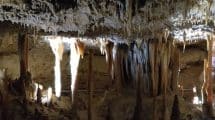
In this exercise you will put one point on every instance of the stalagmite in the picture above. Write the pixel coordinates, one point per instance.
(175, 109)
(76, 50)
(58, 49)
(109, 57)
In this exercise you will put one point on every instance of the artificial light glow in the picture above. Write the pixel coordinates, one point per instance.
(196, 100)
(57, 48)
(36, 86)
(47, 98)
(194, 89)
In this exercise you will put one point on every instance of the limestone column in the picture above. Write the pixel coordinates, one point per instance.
(208, 80)
(23, 58)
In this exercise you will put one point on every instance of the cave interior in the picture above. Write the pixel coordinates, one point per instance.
(107, 59)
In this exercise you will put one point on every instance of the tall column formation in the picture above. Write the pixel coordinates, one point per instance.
(23, 54)
(207, 88)
(210, 81)
(23, 58)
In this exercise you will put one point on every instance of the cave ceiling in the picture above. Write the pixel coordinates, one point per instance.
(106, 17)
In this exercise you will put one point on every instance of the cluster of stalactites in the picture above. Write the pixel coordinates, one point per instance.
(58, 49)
(151, 56)
(76, 51)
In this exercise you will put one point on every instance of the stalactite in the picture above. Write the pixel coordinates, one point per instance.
(109, 57)
(155, 59)
(166, 34)
(152, 55)
(102, 43)
(129, 80)
(76, 50)
(135, 60)
(116, 67)
(106, 47)
(164, 78)
(175, 69)
(57, 48)
(157, 65)
(80, 48)
(119, 56)
(144, 48)
(123, 65)
(184, 38)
